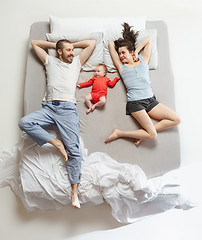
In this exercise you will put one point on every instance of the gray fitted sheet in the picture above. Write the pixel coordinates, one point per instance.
(154, 157)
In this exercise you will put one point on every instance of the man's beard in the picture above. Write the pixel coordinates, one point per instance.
(66, 58)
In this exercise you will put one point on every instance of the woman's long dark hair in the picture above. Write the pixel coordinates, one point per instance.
(128, 40)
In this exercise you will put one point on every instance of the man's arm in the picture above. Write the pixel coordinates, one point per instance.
(39, 45)
(88, 47)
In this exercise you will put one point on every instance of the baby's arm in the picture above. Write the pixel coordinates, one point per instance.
(86, 84)
(113, 83)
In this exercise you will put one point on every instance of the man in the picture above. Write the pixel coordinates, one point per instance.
(62, 76)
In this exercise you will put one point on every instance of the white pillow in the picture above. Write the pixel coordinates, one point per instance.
(95, 58)
(94, 24)
(75, 25)
(153, 63)
(110, 26)
(152, 33)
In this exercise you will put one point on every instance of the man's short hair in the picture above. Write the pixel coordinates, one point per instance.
(60, 44)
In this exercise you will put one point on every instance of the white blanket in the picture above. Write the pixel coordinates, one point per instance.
(39, 177)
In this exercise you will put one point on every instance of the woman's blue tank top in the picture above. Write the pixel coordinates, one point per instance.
(137, 81)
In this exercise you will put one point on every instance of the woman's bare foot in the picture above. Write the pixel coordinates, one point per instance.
(113, 136)
(138, 141)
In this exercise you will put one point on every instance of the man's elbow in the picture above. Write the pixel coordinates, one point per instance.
(93, 43)
(148, 39)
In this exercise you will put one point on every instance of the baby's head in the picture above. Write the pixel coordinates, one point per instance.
(100, 70)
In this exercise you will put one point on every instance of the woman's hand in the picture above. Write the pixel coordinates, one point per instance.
(135, 56)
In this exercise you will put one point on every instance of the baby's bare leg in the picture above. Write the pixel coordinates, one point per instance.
(101, 103)
(88, 102)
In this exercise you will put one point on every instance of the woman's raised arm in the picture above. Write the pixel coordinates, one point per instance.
(146, 46)
(115, 57)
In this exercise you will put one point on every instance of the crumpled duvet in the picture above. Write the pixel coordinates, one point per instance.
(39, 177)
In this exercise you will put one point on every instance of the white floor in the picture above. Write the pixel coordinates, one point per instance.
(175, 224)
(171, 225)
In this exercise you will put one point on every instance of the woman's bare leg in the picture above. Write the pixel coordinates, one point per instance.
(148, 130)
(168, 118)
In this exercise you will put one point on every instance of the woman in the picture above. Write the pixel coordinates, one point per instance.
(142, 104)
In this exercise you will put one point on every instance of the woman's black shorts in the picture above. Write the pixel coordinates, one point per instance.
(138, 105)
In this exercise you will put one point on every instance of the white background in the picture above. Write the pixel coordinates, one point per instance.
(184, 21)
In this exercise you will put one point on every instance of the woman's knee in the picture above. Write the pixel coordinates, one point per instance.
(177, 120)
(153, 135)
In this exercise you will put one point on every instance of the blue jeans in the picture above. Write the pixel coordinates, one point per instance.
(65, 116)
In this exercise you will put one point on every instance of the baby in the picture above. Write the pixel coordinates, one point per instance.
(98, 95)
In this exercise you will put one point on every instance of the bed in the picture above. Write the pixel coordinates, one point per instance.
(154, 157)
(118, 172)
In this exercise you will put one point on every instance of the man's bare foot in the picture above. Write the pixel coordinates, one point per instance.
(75, 201)
(60, 146)
(138, 141)
(62, 150)
(113, 136)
